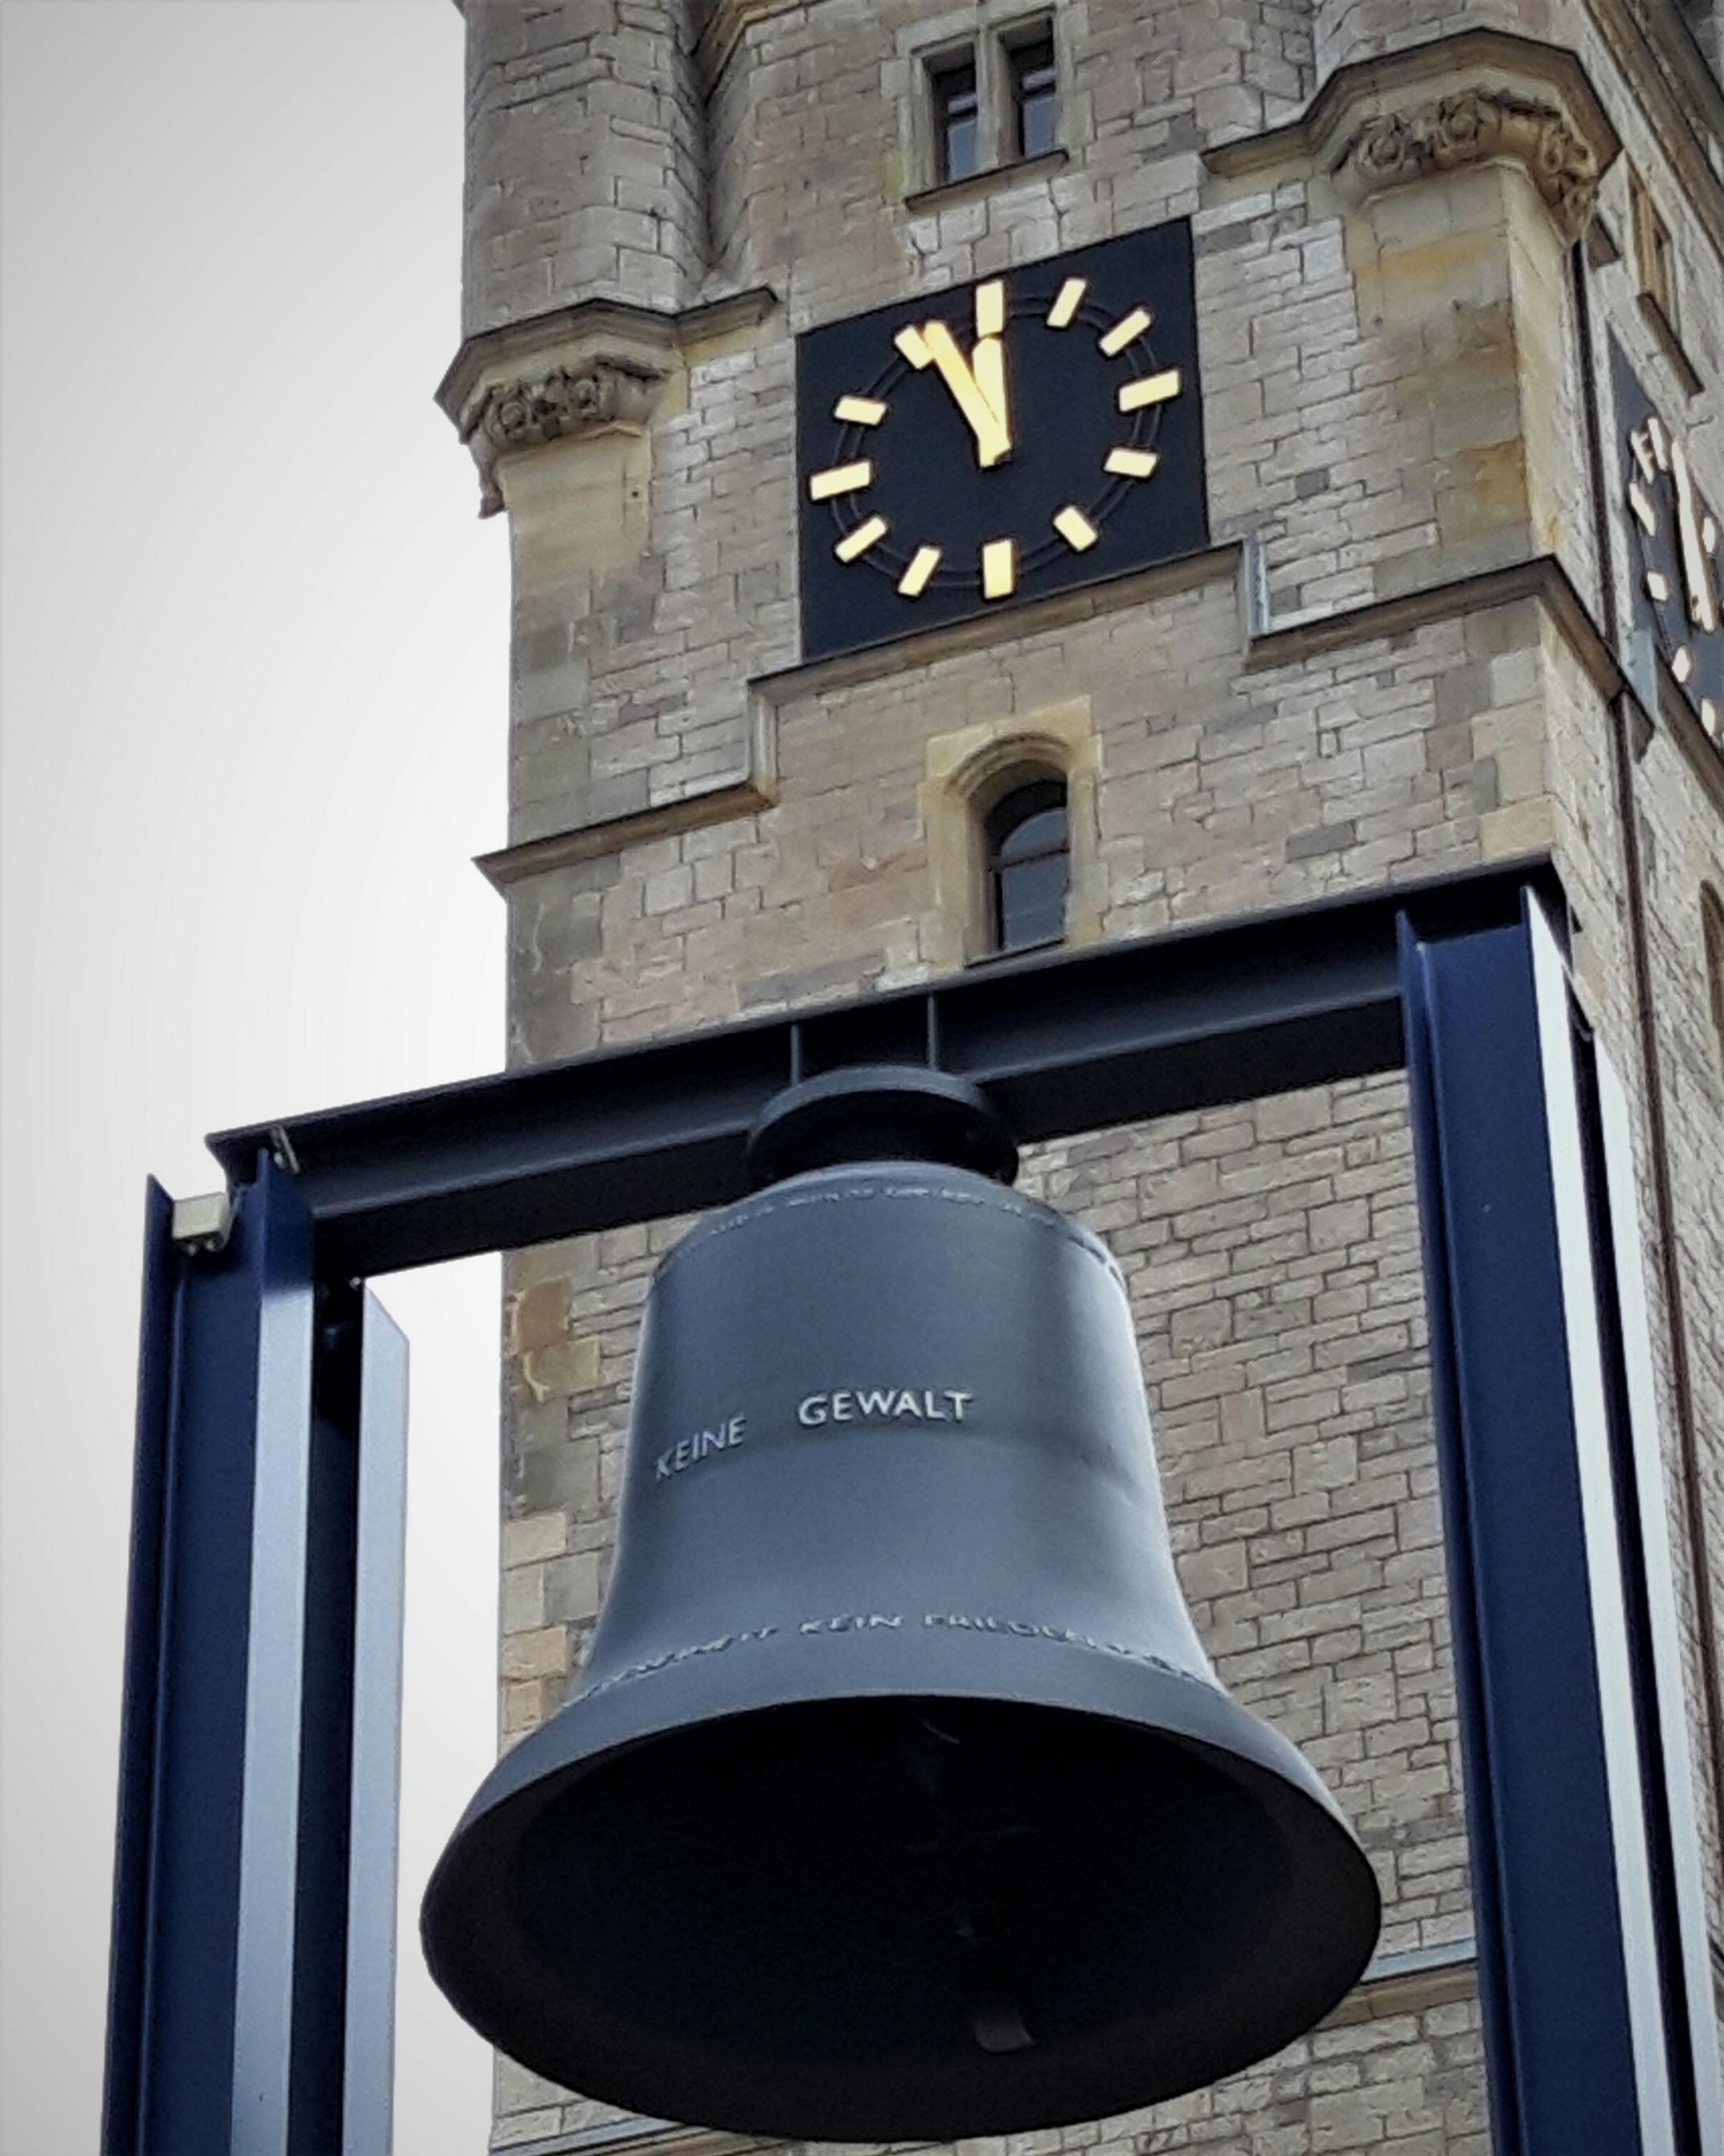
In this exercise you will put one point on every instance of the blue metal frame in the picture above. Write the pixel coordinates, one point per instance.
(1592, 2046)
(253, 1912)
(235, 1835)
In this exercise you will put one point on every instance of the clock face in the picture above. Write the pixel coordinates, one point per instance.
(1675, 554)
(997, 441)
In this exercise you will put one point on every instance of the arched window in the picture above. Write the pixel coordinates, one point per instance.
(1028, 865)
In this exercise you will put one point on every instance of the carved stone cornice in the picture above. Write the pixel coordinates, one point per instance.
(593, 368)
(1445, 102)
(565, 402)
(1474, 126)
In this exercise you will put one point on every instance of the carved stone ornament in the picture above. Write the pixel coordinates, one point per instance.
(564, 403)
(1468, 128)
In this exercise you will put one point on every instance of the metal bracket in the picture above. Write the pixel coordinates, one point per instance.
(201, 1226)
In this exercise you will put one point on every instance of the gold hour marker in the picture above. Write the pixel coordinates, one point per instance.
(859, 541)
(859, 411)
(990, 308)
(1658, 585)
(1132, 464)
(1709, 534)
(1682, 665)
(1697, 575)
(839, 479)
(1128, 326)
(914, 580)
(913, 346)
(999, 569)
(1075, 528)
(1642, 448)
(1149, 389)
(1065, 306)
(1709, 717)
(1660, 442)
(1644, 515)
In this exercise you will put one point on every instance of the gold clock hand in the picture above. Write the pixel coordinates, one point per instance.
(987, 364)
(993, 438)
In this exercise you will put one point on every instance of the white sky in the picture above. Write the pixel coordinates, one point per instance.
(254, 698)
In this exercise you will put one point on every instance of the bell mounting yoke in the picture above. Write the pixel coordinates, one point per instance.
(880, 1111)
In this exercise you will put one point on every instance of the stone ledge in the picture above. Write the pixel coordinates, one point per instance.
(1531, 103)
(1028, 617)
(582, 841)
(976, 187)
(742, 793)
(593, 368)
(1265, 645)
(1540, 576)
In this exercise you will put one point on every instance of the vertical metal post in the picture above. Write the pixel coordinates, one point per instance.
(1583, 2052)
(135, 1846)
(253, 1876)
(368, 2092)
(1679, 1875)
(344, 1939)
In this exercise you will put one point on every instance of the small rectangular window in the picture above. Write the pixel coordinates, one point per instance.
(1035, 101)
(1654, 256)
(957, 128)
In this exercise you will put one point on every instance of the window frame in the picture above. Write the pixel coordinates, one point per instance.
(989, 51)
(941, 67)
(1025, 37)
(1655, 265)
(988, 809)
(1657, 270)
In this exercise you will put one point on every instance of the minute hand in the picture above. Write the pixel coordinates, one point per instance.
(993, 436)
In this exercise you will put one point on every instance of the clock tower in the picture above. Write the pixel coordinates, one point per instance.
(984, 478)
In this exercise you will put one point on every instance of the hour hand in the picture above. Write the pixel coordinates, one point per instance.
(988, 422)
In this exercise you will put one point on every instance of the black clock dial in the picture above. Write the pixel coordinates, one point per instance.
(1675, 554)
(999, 440)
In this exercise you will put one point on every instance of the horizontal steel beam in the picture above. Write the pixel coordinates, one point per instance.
(1075, 1040)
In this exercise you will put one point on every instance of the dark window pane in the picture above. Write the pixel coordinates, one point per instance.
(1015, 808)
(956, 134)
(1035, 105)
(1032, 902)
(1036, 835)
(1028, 865)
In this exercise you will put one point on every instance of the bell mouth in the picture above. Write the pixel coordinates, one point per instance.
(914, 1916)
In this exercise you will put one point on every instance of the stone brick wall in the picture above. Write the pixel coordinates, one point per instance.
(1396, 660)
(584, 149)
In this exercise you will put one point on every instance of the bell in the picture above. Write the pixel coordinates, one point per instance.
(897, 1800)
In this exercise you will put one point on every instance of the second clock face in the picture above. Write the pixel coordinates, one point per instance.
(1676, 564)
(999, 440)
